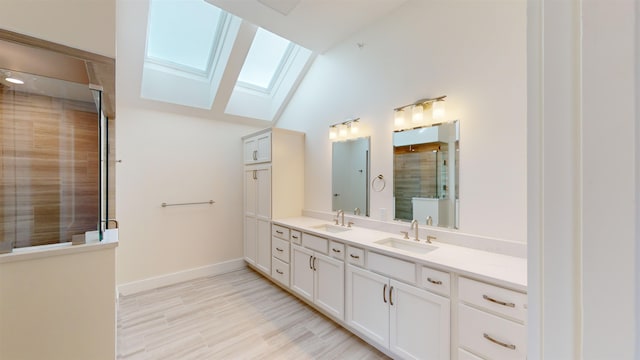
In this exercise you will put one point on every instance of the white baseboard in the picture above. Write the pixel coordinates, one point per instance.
(181, 276)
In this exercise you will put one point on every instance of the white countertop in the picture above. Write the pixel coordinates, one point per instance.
(504, 270)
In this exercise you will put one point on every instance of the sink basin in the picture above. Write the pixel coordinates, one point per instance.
(406, 245)
(331, 228)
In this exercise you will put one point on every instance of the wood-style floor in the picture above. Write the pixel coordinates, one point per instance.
(239, 315)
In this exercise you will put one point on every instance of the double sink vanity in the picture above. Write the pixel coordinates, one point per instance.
(408, 298)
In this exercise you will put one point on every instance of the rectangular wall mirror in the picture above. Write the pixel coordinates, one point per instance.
(425, 174)
(350, 176)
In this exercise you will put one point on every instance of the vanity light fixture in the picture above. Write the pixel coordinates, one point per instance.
(333, 132)
(398, 119)
(418, 108)
(344, 129)
(438, 110)
(417, 114)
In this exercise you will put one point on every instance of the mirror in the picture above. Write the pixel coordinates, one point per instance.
(350, 176)
(425, 174)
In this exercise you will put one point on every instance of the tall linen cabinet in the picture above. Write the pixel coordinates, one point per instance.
(273, 188)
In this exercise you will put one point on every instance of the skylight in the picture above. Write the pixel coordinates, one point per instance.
(183, 33)
(265, 60)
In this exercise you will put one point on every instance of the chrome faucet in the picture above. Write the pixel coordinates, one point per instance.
(414, 224)
(430, 237)
(356, 211)
(429, 220)
(340, 213)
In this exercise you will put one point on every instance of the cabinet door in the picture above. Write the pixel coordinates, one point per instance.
(263, 258)
(263, 196)
(250, 150)
(302, 271)
(250, 236)
(250, 221)
(329, 285)
(263, 147)
(418, 322)
(368, 304)
(250, 191)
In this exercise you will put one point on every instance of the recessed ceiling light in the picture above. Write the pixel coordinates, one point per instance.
(14, 81)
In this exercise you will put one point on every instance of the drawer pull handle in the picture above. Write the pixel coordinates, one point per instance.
(354, 256)
(310, 266)
(498, 301)
(279, 249)
(279, 232)
(294, 236)
(391, 295)
(508, 346)
(436, 282)
(314, 263)
(335, 250)
(384, 293)
(279, 272)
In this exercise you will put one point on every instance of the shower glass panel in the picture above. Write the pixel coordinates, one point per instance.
(51, 177)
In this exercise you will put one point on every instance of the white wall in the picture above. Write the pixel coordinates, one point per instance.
(175, 159)
(472, 51)
(89, 25)
(59, 307)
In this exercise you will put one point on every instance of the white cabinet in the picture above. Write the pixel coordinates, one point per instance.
(257, 148)
(257, 216)
(411, 322)
(319, 279)
(273, 188)
(280, 250)
(491, 320)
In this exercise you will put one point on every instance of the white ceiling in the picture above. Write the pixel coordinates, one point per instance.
(315, 24)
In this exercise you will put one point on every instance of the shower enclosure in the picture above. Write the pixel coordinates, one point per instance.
(53, 160)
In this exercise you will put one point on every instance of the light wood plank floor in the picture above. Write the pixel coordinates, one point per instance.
(239, 315)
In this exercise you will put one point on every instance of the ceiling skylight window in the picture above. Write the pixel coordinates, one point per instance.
(183, 33)
(265, 61)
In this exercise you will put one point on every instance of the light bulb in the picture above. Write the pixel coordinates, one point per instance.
(354, 127)
(438, 110)
(333, 133)
(14, 81)
(342, 130)
(398, 119)
(417, 114)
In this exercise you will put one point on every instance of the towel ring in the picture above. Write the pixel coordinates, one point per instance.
(378, 183)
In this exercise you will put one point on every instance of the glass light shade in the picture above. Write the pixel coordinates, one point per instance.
(354, 127)
(342, 131)
(398, 118)
(417, 114)
(333, 133)
(438, 110)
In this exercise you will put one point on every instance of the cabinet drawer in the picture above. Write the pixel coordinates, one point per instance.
(491, 336)
(500, 300)
(436, 281)
(392, 267)
(280, 249)
(315, 243)
(296, 237)
(465, 355)
(355, 256)
(336, 250)
(280, 232)
(280, 271)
